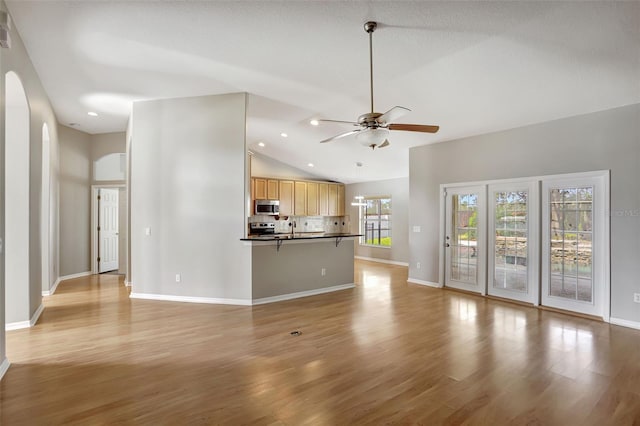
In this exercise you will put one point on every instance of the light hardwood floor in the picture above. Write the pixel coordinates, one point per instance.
(384, 352)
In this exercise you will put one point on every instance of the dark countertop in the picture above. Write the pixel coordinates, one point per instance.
(297, 236)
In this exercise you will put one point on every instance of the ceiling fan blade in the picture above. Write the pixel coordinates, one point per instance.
(337, 121)
(383, 144)
(342, 135)
(413, 127)
(393, 114)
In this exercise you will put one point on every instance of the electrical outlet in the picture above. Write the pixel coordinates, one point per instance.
(147, 231)
(323, 271)
(636, 297)
(416, 228)
(418, 265)
(178, 278)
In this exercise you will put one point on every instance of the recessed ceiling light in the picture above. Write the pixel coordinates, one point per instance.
(261, 144)
(310, 164)
(93, 114)
(314, 122)
(284, 135)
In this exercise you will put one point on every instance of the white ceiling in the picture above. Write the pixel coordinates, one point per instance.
(470, 67)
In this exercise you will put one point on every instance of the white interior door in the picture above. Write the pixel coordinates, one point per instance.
(465, 238)
(107, 229)
(513, 241)
(575, 244)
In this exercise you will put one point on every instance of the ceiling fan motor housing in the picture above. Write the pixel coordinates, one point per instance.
(369, 120)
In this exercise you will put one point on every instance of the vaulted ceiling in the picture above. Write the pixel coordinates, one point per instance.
(470, 67)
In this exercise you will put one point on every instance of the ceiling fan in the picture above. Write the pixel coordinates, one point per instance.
(373, 126)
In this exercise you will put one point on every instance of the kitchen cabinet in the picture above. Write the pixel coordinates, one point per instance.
(312, 199)
(323, 199)
(340, 200)
(253, 195)
(286, 197)
(260, 189)
(272, 189)
(300, 198)
(333, 199)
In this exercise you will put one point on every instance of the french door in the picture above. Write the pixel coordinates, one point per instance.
(513, 241)
(541, 240)
(465, 257)
(575, 245)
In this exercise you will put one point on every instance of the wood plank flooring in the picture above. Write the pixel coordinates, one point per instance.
(386, 352)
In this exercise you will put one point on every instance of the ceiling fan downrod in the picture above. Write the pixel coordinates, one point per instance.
(370, 27)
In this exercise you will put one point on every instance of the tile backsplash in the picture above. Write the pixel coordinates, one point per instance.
(328, 224)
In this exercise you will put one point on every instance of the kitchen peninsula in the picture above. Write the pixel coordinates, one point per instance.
(288, 266)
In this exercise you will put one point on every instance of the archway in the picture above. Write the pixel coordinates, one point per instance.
(16, 279)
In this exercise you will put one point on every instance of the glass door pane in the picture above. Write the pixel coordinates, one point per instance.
(464, 257)
(575, 244)
(571, 263)
(513, 263)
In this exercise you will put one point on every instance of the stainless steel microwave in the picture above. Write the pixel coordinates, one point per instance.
(269, 207)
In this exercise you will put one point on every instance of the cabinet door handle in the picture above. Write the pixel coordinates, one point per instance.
(446, 245)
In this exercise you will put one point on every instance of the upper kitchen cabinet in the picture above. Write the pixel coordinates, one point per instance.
(286, 197)
(272, 189)
(340, 200)
(260, 188)
(333, 199)
(265, 189)
(312, 199)
(323, 199)
(300, 198)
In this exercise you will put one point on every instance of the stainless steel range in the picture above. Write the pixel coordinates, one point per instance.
(260, 228)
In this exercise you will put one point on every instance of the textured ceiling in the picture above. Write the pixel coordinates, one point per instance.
(470, 67)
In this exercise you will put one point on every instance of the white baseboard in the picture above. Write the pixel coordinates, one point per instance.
(4, 366)
(25, 324)
(241, 302)
(299, 294)
(375, 259)
(190, 299)
(52, 289)
(78, 275)
(422, 282)
(624, 323)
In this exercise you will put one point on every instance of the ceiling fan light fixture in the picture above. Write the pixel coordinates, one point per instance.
(373, 136)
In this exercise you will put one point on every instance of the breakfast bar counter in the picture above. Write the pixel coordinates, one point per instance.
(287, 266)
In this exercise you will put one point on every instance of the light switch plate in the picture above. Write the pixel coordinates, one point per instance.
(416, 228)
(147, 231)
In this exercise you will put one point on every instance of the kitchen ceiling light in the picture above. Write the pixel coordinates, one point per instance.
(93, 114)
(284, 135)
(314, 122)
(310, 164)
(261, 144)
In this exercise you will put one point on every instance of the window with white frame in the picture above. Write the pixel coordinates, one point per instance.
(375, 221)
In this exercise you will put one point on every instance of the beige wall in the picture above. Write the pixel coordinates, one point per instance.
(17, 60)
(75, 201)
(607, 140)
(263, 166)
(188, 187)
